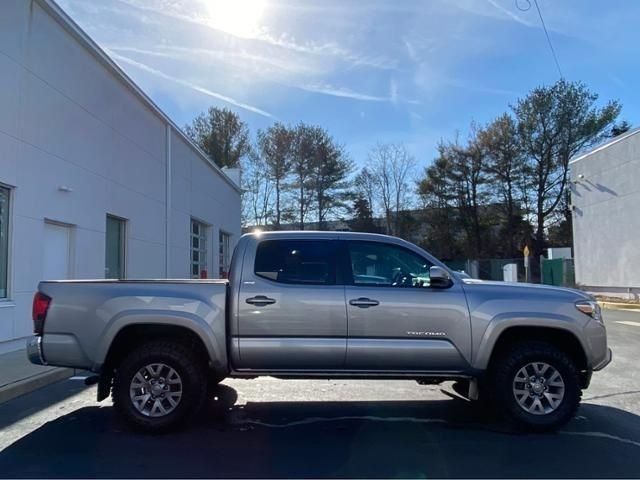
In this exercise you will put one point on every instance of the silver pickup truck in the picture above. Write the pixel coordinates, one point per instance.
(323, 305)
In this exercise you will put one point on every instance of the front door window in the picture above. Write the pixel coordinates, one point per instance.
(386, 265)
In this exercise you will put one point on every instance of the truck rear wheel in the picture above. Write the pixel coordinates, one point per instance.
(536, 385)
(159, 386)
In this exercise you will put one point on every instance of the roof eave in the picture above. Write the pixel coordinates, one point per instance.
(605, 145)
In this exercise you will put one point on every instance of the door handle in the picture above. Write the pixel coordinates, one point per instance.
(260, 301)
(363, 302)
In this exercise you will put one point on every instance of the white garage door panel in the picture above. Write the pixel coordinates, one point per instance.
(56, 252)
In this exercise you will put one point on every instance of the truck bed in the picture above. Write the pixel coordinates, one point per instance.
(85, 316)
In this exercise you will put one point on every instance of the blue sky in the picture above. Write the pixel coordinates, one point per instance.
(367, 71)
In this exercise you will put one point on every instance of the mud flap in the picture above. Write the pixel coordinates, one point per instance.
(104, 386)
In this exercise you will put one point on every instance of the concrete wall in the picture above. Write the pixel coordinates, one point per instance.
(69, 118)
(606, 224)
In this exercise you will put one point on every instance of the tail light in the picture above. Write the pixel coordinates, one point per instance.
(40, 306)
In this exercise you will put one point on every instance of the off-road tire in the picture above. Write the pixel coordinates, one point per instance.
(194, 385)
(504, 370)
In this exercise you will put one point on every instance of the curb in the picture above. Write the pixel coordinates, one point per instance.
(629, 307)
(29, 384)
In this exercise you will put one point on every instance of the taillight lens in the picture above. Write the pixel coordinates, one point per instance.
(40, 306)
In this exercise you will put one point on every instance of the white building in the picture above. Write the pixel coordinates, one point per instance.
(95, 180)
(605, 195)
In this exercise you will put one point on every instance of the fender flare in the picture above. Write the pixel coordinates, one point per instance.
(504, 321)
(216, 347)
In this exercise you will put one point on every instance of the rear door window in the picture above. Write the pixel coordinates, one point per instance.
(305, 262)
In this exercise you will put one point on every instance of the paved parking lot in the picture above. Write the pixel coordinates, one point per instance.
(298, 428)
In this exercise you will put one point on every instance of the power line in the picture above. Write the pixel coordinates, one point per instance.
(544, 27)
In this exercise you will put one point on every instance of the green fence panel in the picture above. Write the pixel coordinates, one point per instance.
(553, 272)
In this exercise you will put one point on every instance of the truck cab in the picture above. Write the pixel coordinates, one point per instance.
(369, 306)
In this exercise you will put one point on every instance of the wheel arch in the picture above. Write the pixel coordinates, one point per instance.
(133, 335)
(560, 338)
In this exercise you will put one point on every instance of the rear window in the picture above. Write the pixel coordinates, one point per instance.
(306, 262)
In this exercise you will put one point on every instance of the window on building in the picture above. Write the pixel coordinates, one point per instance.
(4, 241)
(198, 249)
(225, 254)
(115, 247)
(308, 262)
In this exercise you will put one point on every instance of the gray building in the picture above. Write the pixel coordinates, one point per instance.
(605, 194)
(95, 180)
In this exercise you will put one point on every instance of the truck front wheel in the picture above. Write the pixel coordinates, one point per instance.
(536, 385)
(159, 386)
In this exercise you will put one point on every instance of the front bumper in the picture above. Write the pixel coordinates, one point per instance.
(34, 350)
(605, 362)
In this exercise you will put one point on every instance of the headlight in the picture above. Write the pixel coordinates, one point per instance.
(591, 308)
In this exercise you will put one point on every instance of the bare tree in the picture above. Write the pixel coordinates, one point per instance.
(366, 187)
(257, 192)
(392, 167)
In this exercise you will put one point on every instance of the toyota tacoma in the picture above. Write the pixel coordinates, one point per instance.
(323, 305)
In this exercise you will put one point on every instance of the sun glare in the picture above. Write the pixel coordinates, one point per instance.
(237, 17)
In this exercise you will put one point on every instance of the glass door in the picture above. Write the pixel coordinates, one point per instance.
(115, 243)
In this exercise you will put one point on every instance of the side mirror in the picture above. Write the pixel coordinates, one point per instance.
(439, 278)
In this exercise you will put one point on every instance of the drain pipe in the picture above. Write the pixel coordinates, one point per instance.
(167, 215)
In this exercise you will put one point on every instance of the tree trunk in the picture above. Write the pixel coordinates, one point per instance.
(278, 204)
(510, 219)
(301, 205)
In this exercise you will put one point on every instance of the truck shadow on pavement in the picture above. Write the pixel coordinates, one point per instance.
(439, 438)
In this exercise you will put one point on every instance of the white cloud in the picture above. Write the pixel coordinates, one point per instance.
(173, 10)
(325, 89)
(190, 85)
(331, 90)
(475, 87)
(393, 91)
(181, 53)
(328, 49)
(261, 64)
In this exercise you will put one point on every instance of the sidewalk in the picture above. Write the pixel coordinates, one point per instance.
(19, 376)
(630, 307)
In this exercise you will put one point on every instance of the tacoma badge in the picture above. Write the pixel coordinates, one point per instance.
(428, 334)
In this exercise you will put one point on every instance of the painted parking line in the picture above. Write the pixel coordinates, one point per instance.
(627, 322)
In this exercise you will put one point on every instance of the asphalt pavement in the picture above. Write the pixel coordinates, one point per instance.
(299, 428)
